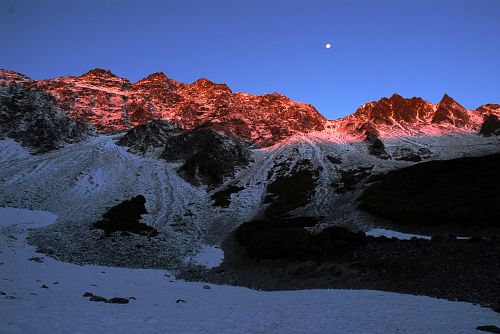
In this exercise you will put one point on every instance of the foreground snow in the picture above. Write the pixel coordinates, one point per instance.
(60, 308)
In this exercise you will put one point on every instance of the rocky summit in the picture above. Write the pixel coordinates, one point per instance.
(398, 116)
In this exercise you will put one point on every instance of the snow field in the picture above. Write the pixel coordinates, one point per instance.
(60, 308)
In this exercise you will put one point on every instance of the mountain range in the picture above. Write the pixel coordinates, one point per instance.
(112, 104)
(206, 159)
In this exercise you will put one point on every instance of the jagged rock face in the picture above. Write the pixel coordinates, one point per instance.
(114, 104)
(264, 119)
(98, 97)
(209, 156)
(152, 98)
(395, 109)
(267, 119)
(411, 116)
(145, 138)
(491, 119)
(449, 111)
(33, 117)
(10, 78)
(386, 112)
(487, 109)
(375, 146)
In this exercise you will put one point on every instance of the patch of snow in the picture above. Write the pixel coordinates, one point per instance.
(209, 256)
(10, 150)
(380, 232)
(26, 218)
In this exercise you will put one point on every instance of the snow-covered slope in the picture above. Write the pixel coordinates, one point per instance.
(27, 307)
(81, 181)
(321, 148)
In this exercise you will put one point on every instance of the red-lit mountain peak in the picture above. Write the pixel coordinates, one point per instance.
(398, 109)
(8, 78)
(98, 72)
(158, 80)
(205, 84)
(450, 111)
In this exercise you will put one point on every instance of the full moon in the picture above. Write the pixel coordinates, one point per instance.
(328, 45)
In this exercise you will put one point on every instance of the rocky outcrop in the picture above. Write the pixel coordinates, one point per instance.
(409, 154)
(125, 217)
(488, 328)
(208, 156)
(375, 146)
(490, 126)
(350, 179)
(292, 187)
(33, 118)
(147, 137)
(278, 237)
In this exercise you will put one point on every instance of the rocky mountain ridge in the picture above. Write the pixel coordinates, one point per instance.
(114, 104)
(398, 117)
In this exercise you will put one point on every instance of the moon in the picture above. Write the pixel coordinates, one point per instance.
(328, 45)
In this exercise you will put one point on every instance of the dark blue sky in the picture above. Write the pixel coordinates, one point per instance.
(414, 48)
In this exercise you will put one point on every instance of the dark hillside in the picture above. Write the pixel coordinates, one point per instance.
(464, 191)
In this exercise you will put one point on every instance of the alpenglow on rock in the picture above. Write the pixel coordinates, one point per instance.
(114, 104)
(398, 116)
